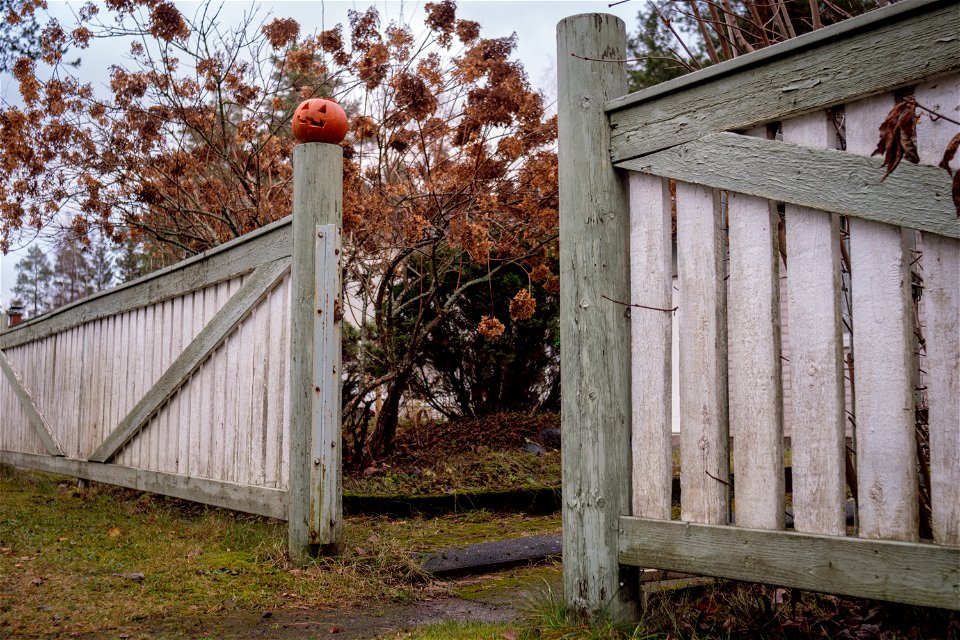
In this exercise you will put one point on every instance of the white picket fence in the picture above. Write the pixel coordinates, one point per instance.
(713, 134)
(199, 381)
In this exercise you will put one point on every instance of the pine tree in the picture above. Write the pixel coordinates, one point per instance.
(71, 280)
(101, 267)
(132, 261)
(34, 282)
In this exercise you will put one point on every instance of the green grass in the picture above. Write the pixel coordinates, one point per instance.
(481, 469)
(64, 553)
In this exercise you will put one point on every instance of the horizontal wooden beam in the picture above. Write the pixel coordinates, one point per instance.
(920, 574)
(229, 260)
(30, 407)
(915, 196)
(263, 501)
(238, 307)
(897, 46)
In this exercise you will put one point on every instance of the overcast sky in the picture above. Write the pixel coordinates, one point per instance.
(534, 22)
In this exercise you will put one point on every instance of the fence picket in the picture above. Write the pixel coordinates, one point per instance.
(883, 342)
(704, 433)
(651, 285)
(756, 398)
(816, 349)
(181, 429)
(941, 301)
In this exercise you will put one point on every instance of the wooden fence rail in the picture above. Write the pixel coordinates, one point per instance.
(807, 207)
(191, 381)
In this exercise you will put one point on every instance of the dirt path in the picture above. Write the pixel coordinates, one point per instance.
(376, 621)
(352, 624)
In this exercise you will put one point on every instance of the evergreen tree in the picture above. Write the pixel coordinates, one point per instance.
(101, 272)
(19, 37)
(132, 261)
(71, 280)
(34, 282)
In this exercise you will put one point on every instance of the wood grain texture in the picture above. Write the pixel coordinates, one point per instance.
(941, 261)
(883, 324)
(29, 407)
(756, 397)
(594, 332)
(941, 301)
(249, 499)
(317, 200)
(920, 574)
(912, 196)
(211, 337)
(326, 501)
(277, 392)
(704, 428)
(221, 263)
(816, 346)
(651, 285)
(826, 67)
(16, 432)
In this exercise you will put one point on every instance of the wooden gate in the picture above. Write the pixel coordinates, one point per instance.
(215, 380)
(777, 137)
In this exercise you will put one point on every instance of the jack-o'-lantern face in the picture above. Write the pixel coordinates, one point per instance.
(319, 120)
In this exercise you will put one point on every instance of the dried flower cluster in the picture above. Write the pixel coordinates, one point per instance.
(523, 305)
(490, 328)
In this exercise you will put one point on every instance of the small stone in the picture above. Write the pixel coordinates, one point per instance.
(136, 577)
(266, 614)
(37, 582)
(535, 449)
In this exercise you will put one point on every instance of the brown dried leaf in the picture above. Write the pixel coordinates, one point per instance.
(898, 135)
(907, 129)
(949, 154)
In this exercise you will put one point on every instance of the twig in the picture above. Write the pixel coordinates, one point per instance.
(639, 306)
(718, 479)
(707, 40)
(936, 114)
(838, 10)
(724, 43)
(643, 59)
(815, 14)
(666, 22)
(613, 4)
(786, 18)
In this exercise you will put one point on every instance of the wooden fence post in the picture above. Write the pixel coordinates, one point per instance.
(594, 330)
(314, 495)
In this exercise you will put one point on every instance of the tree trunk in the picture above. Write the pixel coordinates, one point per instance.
(385, 430)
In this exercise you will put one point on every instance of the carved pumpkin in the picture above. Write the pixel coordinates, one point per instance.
(319, 120)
